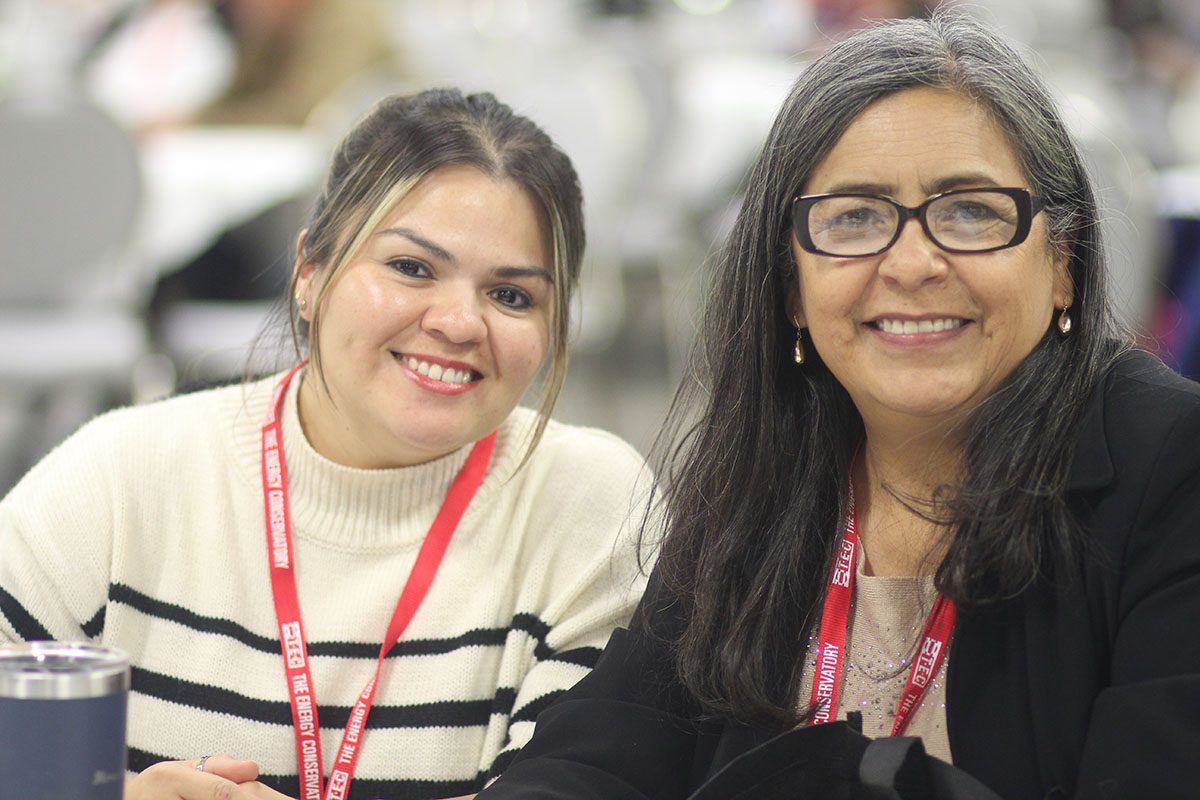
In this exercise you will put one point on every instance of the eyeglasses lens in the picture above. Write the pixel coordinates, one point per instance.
(973, 220)
(852, 225)
(849, 226)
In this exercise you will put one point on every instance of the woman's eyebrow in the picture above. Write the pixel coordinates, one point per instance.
(966, 180)
(858, 187)
(437, 250)
(943, 184)
(524, 272)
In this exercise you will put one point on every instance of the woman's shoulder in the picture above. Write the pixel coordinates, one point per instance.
(1139, 370)
(581, 450)
(124, 455)
(1142, 396)
(151, 433)
(576, 470)
(1139, 435)
(169, 418)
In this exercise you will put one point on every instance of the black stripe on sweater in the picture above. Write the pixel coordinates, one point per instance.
(360, 788)
(24, 623)
(501, 763)
(437, 714)
(580, 657)
(529, 712)
(480, 637)
(95, 626)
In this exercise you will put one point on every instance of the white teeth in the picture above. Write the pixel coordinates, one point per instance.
(908, 326)
(437, 372)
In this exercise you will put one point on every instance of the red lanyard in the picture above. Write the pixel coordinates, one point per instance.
(287, 603)
(831, 640)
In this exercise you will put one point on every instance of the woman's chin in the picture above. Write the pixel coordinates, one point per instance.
(427, 448)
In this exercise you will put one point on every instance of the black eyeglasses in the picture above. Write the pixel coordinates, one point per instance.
(959, 221)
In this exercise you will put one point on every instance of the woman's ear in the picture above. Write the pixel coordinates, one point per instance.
(1064, 285)
(303, 271)
(795, 308)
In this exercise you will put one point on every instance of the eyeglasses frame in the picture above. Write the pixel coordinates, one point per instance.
(1028, 207)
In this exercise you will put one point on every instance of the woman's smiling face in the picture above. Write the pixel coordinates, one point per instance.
(917, 334)
(432, 333)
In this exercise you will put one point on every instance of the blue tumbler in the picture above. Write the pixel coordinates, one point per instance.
(62, 721)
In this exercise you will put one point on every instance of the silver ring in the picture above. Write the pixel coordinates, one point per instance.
(200, 763)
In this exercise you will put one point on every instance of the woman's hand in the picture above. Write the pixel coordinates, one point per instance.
(223, 778)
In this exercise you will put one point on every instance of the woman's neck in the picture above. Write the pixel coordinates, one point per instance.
(896, 480)
(329, 432)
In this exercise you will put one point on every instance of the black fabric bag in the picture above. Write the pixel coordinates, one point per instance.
(835, 762)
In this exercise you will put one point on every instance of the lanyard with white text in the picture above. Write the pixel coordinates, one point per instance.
(287, 604)
(831, 640)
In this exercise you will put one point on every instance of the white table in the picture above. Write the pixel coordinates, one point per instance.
(202, 181)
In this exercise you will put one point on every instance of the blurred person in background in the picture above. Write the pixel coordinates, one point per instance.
(294, 54)
(183, 64)
(1163, 94)
(246, 545)
(1164, 36)
(920, 483)
(159, 62)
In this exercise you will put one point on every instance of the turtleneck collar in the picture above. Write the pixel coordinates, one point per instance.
(361, 509)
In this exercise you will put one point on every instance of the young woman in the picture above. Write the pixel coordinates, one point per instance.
(932, 481)
(374, 570)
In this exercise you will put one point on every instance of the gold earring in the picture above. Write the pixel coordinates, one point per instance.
(798, 350)
(1064, 321)
(301, 303)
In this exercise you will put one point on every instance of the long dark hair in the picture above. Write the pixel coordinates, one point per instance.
(757, 481)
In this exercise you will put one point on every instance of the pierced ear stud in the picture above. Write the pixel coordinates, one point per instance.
(301, 303)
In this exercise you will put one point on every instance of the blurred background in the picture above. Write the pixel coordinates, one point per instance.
(158, 157)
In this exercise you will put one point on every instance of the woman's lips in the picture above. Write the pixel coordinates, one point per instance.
(909, 331)
(439, 375)
(911, 326)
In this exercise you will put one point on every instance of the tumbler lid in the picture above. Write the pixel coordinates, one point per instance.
(61, 670)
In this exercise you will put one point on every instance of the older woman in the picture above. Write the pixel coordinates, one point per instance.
(931, 481)
(369, 573)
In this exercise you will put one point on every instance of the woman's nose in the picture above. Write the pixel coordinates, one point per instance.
(914, 259)
(456, 315)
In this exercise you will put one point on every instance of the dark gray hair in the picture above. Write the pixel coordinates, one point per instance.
(756, 489)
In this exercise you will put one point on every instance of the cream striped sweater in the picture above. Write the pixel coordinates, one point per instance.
(145, 531)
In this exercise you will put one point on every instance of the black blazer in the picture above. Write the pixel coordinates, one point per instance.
(1090, 688)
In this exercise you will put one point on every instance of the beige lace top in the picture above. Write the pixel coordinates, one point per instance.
(887, 615)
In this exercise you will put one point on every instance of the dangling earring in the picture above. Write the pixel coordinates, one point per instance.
(798, 350)
(1064, 321)
(301, 303)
